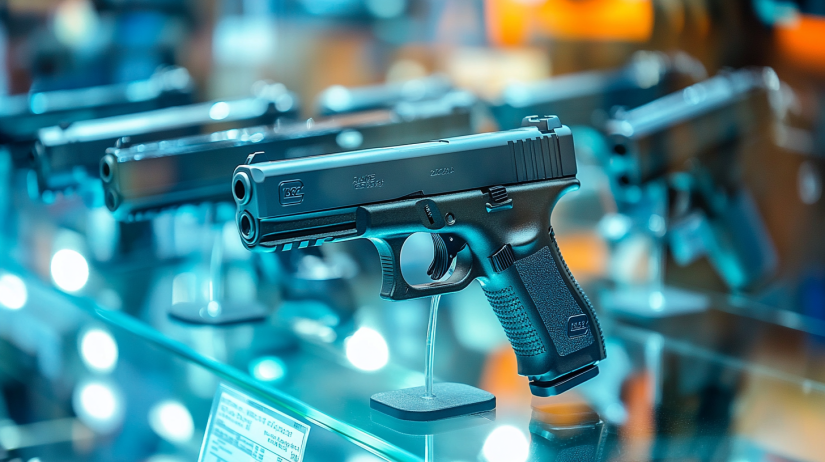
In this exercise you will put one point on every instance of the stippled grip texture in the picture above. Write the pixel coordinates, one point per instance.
(513, 318)
(553, 300)
(545, 314)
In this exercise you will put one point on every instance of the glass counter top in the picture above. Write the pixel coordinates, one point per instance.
(723, 382)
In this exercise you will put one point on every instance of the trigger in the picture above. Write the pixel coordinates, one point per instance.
(445, 248)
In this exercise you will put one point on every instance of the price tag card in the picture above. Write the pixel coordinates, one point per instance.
(241, 429)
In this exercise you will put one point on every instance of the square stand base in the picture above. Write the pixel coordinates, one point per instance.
(225, 313)
(450, 400)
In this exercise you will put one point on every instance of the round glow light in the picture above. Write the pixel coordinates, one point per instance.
(219, 111)
(268, 369)
(367, 350)
(337, 98)
(505, 444)
(69, 270)
(98, 350)
(657, 301)
(172, 421)
(99, 401)
(13, 294)
(99, 406)
(76, 23)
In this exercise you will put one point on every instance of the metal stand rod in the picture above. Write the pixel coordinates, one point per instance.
(429, 444)
(213, 306)
(430, 359)
(216, 266)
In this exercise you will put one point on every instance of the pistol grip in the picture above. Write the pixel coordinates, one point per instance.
(547, 318)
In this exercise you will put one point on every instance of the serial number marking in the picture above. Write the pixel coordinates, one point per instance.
(367, 182)
(442, 171)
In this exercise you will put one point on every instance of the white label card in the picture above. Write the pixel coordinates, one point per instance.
(241, 428)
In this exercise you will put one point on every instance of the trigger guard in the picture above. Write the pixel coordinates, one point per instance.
(395, 287)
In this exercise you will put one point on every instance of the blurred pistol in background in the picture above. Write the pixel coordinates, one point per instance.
(65, 156)
(689, 143)
(22, 116)
(142, 179)
(485, 199)
(338, 99)
(586, 98)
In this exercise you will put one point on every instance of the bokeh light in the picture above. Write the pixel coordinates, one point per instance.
(505, 444)
(69, 269)
(13, 293)
(99, 406)
(172, 421)
(268, 369)
(219, 111)
(367, 350)
(98, 350)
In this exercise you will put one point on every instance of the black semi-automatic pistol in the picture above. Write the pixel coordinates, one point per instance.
(64, 156)
(692, 140)
(22, 116)
(143, 179)
(485, 199)
(586, 98)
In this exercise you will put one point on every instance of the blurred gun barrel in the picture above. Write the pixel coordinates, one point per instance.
(151, 177)
(585, 98)
(65, 155)
(663, 134)
(22, 116)
(339, 100)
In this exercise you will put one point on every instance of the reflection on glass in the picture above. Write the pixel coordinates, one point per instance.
(657, 301)
(69, 270)
(367, 350)
(268, 369)
(363, 458)
(172, 421)
(98, 350)
(505, 444)
(219, 111)
(13, 294)
(311, 328)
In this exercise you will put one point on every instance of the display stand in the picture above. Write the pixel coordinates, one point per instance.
(217, 310)
(433, 401)
(650, 298)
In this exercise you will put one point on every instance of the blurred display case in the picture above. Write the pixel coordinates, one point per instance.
(95, 368)
(702, 364)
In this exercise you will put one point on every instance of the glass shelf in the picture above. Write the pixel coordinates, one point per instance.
(706, 385)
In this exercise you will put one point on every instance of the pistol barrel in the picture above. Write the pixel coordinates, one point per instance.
(340, 100)
(62, 152)
(282, 189)
(21, 116)
(585, 98)
(145, 178)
